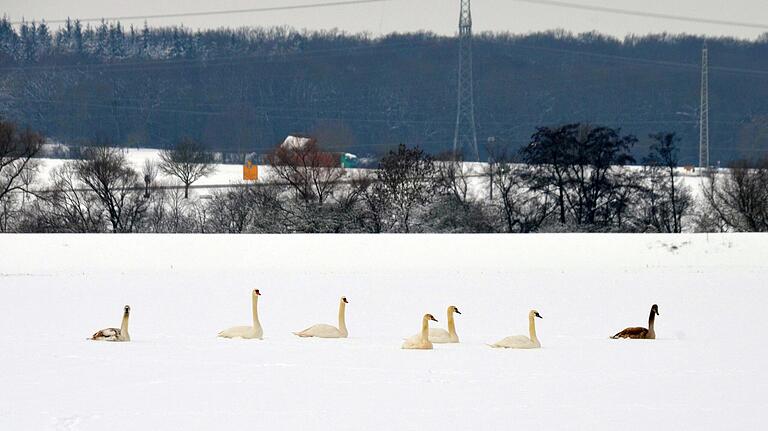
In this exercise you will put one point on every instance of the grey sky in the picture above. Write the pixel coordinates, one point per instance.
(438, 16)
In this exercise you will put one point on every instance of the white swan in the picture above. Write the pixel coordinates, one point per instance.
(329, 331)
(521, 341)
(115, 334)
(440, 335)
(247, 332)
(422, 343)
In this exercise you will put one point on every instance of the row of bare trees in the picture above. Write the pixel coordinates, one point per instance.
(101, 192)
(570, 178)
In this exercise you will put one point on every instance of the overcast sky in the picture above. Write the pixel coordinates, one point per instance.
(438, 16)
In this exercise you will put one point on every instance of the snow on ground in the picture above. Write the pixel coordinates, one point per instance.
(224, 174)
(706, 370)
(229, 174)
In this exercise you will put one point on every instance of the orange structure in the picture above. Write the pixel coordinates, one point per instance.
(250, 172)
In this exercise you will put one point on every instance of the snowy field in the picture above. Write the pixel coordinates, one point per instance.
(705, 371)
(232, 174)
(224, 174)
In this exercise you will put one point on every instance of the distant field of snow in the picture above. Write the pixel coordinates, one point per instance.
(224, 174)
(705, 371)
(228, 174)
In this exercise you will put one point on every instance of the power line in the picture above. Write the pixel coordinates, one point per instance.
(639, 60)
(130, 108)
(618, 11)
(217, 12)
(554, 3)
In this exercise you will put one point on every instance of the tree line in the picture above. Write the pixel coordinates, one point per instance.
(570, 178)
(243, 90)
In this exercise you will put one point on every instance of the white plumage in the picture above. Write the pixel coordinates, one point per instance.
(323, 330)
(247, 332)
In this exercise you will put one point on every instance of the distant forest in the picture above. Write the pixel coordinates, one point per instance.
(246, 89)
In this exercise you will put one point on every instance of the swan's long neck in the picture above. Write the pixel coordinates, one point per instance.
(124, 327)
(256, 323)
(532, 327)
(425, 329)
(451, 324)
(651, 320)
(342, 321)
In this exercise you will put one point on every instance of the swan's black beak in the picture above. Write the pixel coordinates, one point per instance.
(538, 315)
(345, 300)
(457, 311)
(256, 291)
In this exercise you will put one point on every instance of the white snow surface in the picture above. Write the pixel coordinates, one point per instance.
(231, 174)
(705, 371)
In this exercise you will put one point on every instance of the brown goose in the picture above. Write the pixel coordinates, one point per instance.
(115, 334)
(642, 333)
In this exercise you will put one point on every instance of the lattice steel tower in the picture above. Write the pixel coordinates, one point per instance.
(704, 111)
(465, 137)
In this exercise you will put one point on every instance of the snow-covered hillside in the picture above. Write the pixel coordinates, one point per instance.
(705, 371)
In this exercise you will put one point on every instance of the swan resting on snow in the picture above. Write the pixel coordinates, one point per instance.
(422, 343)
(440, 335)
(322, 330)
(247, 332)
(115, 334)
(642, 333)
(521, 341)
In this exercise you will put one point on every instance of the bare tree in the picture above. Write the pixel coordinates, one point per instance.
(312, 173)
(669, 199)
(350, 204)
(624, 202)
(579, 165)
(230, 211)
(199, 214)
(106, 172)
(453, 208)
(188, 161)
(17, 149)
(69, 207)
(407, 179)
(452, 179)
(523, 210)
(180, 217)
(738, 197)
(549, 154)
(150, 170)
(375, 206)
(168, 211)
